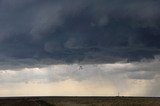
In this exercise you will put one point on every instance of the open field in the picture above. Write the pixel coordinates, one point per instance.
(80, 101)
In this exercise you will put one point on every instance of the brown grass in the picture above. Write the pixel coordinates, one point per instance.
(80, 101)
(115, 101)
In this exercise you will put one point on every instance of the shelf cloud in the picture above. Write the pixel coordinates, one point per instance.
(35, 32)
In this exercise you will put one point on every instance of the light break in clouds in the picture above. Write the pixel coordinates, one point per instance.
(130, 79)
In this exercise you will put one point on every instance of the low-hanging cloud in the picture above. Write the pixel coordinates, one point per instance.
(37, 32)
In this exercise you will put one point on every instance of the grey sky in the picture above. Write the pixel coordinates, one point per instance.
(41, 34)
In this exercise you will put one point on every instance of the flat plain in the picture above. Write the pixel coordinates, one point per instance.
(79, 101)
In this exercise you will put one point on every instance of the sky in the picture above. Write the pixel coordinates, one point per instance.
(79, 47)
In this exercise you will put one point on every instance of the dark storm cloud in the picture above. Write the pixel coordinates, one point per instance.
(36, 32)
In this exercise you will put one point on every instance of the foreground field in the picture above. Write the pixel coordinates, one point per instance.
(80, 101)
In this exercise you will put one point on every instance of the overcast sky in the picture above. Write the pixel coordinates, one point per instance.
(79, 47)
